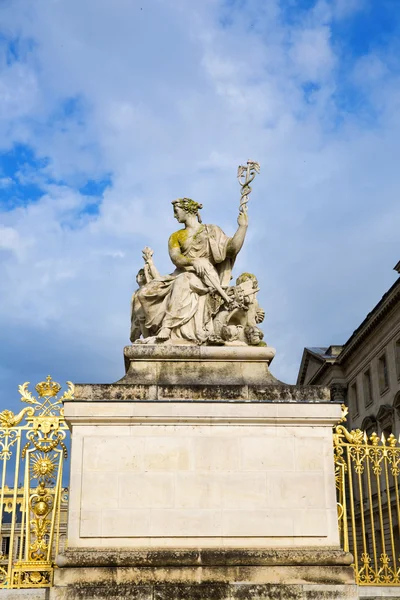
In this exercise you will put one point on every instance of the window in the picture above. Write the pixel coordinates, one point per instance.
(19, 548)
(387, 431)
(396, 404)
(397, 350)
(5, 546)
(383, 373)
(369, 425)
(396, 540)
(368, 397)
(367, 543)
(385, 418)
(378, 542)
(353, 403)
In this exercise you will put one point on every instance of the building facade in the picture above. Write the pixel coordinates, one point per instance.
(364, 372)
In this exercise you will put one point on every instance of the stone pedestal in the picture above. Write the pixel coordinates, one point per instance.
(182, 488)
(206, 365)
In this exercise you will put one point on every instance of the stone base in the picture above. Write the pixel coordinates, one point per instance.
(199, 476)
(199, 373)
(200, 591)
(165, 365)
(301, 574)
(24, 594)
(379, 592)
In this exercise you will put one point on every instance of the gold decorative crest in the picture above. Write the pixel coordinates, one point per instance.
(48, 403)
(48, 388)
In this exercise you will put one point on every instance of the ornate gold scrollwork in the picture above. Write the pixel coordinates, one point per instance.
(41, 504)
(37, 435)
(3, 575)
(367, 473)
(8, 419)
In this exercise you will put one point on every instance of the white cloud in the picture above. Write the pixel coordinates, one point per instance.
(9, 239)
(342, 9)
(312, 54)
(18, 91)
(5, 182)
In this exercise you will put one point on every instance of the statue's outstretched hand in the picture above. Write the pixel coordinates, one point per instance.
(149, 266)
(243, 219)
(147, 254)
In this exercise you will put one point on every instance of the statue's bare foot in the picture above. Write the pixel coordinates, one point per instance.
(163, 335)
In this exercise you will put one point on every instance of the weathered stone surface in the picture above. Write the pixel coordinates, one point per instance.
(281, 392)
(204, 591)
(267, 592)
(374, 592)
(187, 365)
(330, 592)
(31, 594)
(307, 573)
(197, 373)
(112, 557)
(195, 392)
(200, 591)
(123, 392)
(236, 574)
(155, 352)
(110, 591)
(256, 575)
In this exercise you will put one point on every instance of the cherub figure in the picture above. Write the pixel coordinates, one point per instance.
(254, 336)
(137, 316)
(144, 276)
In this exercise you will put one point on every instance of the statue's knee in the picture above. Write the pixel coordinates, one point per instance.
(182, 281)
(185, 276)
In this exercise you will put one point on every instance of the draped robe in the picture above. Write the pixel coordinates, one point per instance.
(181, 301)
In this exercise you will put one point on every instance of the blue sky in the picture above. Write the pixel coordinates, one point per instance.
(109, 109)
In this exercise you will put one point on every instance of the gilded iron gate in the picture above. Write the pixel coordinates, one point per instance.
(32, 454)
(367, 481)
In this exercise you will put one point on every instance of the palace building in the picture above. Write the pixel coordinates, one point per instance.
(365, 371)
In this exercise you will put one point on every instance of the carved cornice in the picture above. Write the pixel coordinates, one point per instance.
(387, 303)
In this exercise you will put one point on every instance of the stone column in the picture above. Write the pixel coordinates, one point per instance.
(200, 490)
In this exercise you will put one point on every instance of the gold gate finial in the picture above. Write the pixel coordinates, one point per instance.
(48, 388)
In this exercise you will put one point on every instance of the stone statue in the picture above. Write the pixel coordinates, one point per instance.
(144, 276)
(195, 304)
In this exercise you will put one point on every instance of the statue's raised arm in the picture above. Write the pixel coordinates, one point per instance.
(236, 242)
(195, 305)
